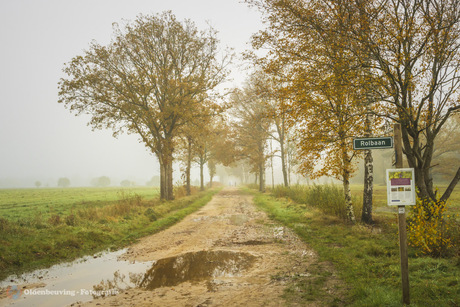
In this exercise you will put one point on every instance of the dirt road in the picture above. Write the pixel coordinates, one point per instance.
(226, 254)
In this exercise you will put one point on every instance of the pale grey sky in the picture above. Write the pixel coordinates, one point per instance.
(39, 138)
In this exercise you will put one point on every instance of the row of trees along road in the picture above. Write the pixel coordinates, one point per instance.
(259, 116)
(349, 64)
(154, 79)
(332, 70)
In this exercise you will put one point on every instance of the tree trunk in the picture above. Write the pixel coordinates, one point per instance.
(282, 132)
(169, 178)
(283, 165)
(419, 158)
(346, 184)
(262, 177)
(347, 194)
(189, 166)
(166, 180)
(451, 187)
(166, 171)
(271, 164)
(201, 173)
(288, 164)
(162, 178)
(212, 170)
(366, 215)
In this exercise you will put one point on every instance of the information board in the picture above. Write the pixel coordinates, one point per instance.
(400, 187)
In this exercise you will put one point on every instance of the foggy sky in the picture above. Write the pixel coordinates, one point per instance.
(39, 138)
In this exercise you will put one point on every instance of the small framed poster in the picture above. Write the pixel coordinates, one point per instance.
(400, 187)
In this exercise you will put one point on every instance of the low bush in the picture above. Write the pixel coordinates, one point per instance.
(432, 230)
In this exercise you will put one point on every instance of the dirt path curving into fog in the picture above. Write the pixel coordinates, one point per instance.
(226, 254)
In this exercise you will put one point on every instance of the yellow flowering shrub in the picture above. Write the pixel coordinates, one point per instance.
(428, 226)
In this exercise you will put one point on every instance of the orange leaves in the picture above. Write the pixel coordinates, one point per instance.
(324, 99)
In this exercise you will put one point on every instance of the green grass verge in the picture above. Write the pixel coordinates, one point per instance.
(42, 239)
(367, 258)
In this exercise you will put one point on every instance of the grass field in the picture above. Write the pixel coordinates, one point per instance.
(22, 203)
(365, 257)
(41, 227)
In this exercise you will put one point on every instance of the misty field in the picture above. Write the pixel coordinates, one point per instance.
(41, 227)
(25, 203)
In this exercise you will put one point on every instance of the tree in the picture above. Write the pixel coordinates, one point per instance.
(148, 81)
(212, 171)
(206, 141)
(252, 128)
(408, 48)
(102, 181)
(127, 183)
(414, 50)
(196, 138)
(215, 146)
(38, 184)
(63, 182)
(272, 89)
(325, 105)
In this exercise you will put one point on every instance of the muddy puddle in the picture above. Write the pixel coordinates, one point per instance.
(67, 283)
(105, 275)
(196, 267)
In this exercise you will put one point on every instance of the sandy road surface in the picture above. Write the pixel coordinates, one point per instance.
(227, 254)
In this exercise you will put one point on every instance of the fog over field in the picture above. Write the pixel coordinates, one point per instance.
(39, 138)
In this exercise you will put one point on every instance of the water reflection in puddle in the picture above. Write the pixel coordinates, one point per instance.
(89, 277)
(196, 267)
(67, 283)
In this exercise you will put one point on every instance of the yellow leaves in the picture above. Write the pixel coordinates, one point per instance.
(427, 228)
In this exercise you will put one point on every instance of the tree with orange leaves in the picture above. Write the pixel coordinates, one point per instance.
(326, 103)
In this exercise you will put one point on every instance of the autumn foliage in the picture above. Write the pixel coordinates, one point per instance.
(429, 228)
(154, 78)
